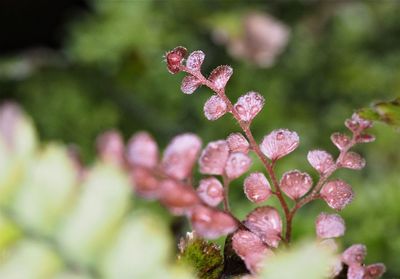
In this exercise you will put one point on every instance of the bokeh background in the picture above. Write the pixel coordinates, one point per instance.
(82, 67)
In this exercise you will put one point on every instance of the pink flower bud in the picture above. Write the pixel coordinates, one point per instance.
(250, 249)
(145, 183)
(352, 160)
(174, 59)
(295, 184)
(238, 143)
(10, 117)
(279, 143)
(329, 225)
(142, 150)
(214, 108)
(321, 160)
(195, 60)
(354, 255)
(210, 223)
(249, 105)
(337, 194)
(110, 147)
(266, 223)
(357, 124)
(340, 140)
(178, 198)
(374, 271)
(257, 188)
(238, 163)
(365, 138)
(356, 272)
(219, 76)
(213, 158)
(190, 84)
(180, 155)
(211, 191)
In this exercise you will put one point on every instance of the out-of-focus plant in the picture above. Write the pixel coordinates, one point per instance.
(386, 112)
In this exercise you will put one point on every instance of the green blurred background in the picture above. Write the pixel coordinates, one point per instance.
(84, 67)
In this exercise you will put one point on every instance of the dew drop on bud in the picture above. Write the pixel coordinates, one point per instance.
(142, 150)
(220, 76)
(354, 255)
(374, 271)
(214, 108)
(266, 223)
(295, 184)
(352, 160)
(320, 160)
(340, 140)
(195, 60)
(180, 155)
(211, 191)
(257, 188)
(238, 163)
(174, 59)
(279, 143)
(213, 158)
(189, 84)
(249, 105)
(329, 225)
(110, 147)
(238, 143)
(337, 194)
(250, 249)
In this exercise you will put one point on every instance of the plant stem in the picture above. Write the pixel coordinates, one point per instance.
(226, 183)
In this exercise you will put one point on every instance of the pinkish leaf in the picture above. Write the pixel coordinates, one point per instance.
(340, 140)
(177, 197)
(356, 272)
(249, 105)
(238, 163)
(238, 143)
(352, 160)
(250, 249)
(180, 155)
(110, 147)
(214, 108)
(213, 158)
(266, 223)
(142, 150)
(190, 84)
(357, 124)
(257, 188)
(145, 183)
(195, 60)
(354, 255)
(295, 184)
(365, 138)
(337, 194)
(174, 59)
(210, 223)
(374, 271)
(220, 76)
(279, 143)
(329, 225)
(211, 191)
(321, 160)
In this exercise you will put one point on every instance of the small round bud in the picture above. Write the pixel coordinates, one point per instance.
(340, 140)
(337, 194)
(110, 147)
(249, 105)
(352, 160)
(211, 191)
(220, 76)
(213, 158)
(180, 155)
(365, 138)
(238, 143)
(279, 143)
(354, 255)
(195, 60)
(329, 225)
(238, 163)
(142, 150)
(257, 188)
(295, 184)
(356, 272)
(321, 160)
(374, 271)
(266, 223)
(190, 84)
(357, 123)
(214, 108)
(174, 59)
(145, 183)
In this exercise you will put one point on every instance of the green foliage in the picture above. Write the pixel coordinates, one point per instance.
(386, 112)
